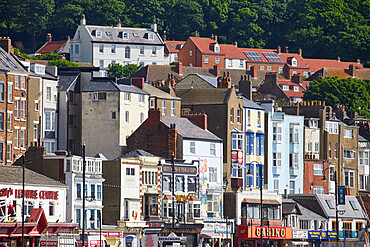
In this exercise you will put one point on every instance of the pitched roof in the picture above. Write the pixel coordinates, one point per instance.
(13, 174)
(260, 53)
(153, 91)
(301, 63)
(349, 212)
(8, 62)
(174, 46)
(66, 79)
(317, 64)
(108, 84)
(250, 104)
(135, 35)
(137, 153)
(52, 46)
(203, 44)
(231, 51)
(204, 96)
(188, 129)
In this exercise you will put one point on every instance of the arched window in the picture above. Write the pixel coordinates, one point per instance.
(127, 52)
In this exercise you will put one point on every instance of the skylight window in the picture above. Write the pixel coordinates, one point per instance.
(98, 33)
(150, 36)
(7, 58)
(353, 205)
(135, 35)
(108, 33)
(4, 63)
(330, 205)
(172, 46)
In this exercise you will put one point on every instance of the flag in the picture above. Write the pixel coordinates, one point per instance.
(367, 239)
(347, 191)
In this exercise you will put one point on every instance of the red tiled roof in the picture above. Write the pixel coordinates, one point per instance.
(259, 51)
(231, 51)
(294, 94)
(300, 61)
(317, 64)
(203, 44)
(53, 46)
(305, 84)
(174, 46)
(287, 82)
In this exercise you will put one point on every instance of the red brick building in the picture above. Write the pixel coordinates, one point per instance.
(13, 105)
(313, 182)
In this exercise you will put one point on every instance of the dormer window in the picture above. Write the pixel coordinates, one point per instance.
(313, 123)
(93, 32)
(285, 88)
(217, 48)
(108, 33)
(294, 61)
(151, 36)
(135, 35)
(125, 35)
(98, 33)
(296, 89)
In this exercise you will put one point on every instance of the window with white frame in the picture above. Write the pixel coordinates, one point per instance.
(296, 89)
(141, 98)
(217, 48)
(318, 169)
(318, 189)
(276, 185)
(237, 171)
(349, 154)
(127, 117)
(48, 93)
(262, 68)
(16, 138)
(331, 127)
(126, 96)
(212, 149)
(241, 63)
(280, 70)
(293, 158)
(291, 187)
(16, 109)
(49, 120)
(231, 114)
(99, 96)
(179, 183)
(191, 184)
(101, 63)
(249, 117)
(348, 133)
(276, 159)
(23, 109)
(213, 203)
(101, 48)
(217, 60)
(363, 158)
(276, 132)
(317, 146)
(9, 123)
(49, 147)
(10, 92)
(237, 141)
(349, 178)
(113, 49)
(213, 174)
(173, 108)
(305, 74)
(192, 147)
(163, 107)
(23, 138)
(190, 53)
(16, 82)
(309, 146)
(293, 133)
(141, 117)
(206, 59)
(51, 208)
(363, 180)
(127, 52)
(259, 118)
(335, 150)
(35, 132)
(166, 183)
(154, 50)
(23, 82)
(269, 68)
(230, 62)
(238, 115)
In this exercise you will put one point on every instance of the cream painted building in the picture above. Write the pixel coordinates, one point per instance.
(312, 139)
(111, 112)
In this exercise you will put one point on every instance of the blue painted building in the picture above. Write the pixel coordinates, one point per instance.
(284, 150)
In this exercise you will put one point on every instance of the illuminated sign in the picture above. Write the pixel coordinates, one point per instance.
(237, 156)
(267, 232)
(30, 194)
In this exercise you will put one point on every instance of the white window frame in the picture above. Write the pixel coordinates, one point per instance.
(206, 59)
(192, 147)
(277, 132)
(217, 60)
(212, 174)
(276, 159)
(173, 108)
(318, 169)
(164, 107)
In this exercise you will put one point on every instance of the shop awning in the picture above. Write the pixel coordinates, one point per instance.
(210, 235)
(256, 201)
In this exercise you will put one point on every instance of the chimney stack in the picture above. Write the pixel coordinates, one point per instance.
(179, 68)
(352, 70)
(279, 49)
(216, 38)
(358, 61)
(216, 70)
(154, 115)
(119, 23)
(83, 20)
(224, 81)
(196, 33)
(338, 59)
(164, 36)
(297, 78)
(286, 49)
(236, 44)
(48, 37)
(300, 52)
(245, 86)
(212, 37)
(138, 82)
(154, 26)
(200, 119)
(6, 44)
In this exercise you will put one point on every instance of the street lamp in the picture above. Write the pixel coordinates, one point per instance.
(261, 204)
(336, 200)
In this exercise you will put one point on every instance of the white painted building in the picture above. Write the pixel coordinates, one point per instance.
(73, 170)
(40, 192)
(103, 45)
(312, 139)
(363, 163)
(119, 108)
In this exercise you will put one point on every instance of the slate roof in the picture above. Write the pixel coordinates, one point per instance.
(142, 35)
(66, 79)
(347, 208)
(108, 84)
(153, 91)
(9, 63)
(45, 76)
(13, 175)
(52, 46)
(188, 129)
(204, 96)
(210, 79)
(250, 104)
(363, 139)
(137, 153)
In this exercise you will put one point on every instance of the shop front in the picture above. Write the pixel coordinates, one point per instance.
(191, 232)
(271, 236)
(113, 238)
(217, 233)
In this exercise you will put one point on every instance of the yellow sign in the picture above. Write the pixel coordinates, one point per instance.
(182, 198)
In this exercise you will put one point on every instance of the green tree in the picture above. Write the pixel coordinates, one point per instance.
(62, 63)
(354, 94)
(119, 71)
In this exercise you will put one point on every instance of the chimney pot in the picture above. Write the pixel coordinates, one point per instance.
(48, 37)
(216, 38)
(338, 59)
(236, 44)
(83, 19)
(279, 49)
(300, 52)
(286, 49)
(358, 61)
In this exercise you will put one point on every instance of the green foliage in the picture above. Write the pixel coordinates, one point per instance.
(322, 28)
(119, 71)
(62, 63)
(354, 94)
(45, 56)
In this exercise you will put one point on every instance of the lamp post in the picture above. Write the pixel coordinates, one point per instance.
(84, 193)
(23, 182)
(261, 203)
(336, 200)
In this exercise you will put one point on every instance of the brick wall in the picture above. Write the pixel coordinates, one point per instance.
(310, 180)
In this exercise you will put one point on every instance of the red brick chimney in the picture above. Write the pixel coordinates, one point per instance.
(179, 68)
(224, 81)
(138, 82)
(199, 119)
(279, 49)
(48, 37)
(352, 70)
(253, 71)
(6, 44)
(154, 115)
(216, 70)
